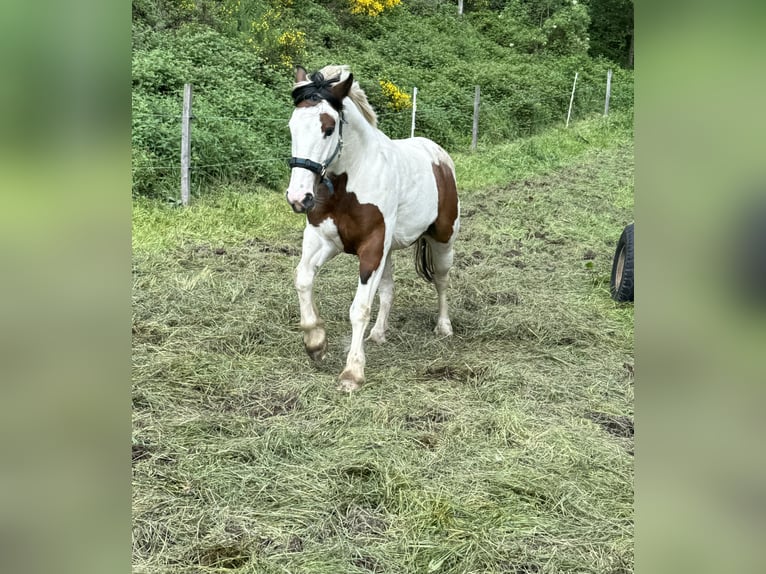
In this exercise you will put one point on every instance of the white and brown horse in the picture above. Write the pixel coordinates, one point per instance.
(365, 194)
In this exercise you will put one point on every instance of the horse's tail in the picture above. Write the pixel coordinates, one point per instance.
(424, 263)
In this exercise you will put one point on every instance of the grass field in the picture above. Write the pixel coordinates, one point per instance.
(505, 449)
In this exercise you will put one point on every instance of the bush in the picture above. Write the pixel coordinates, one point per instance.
(240, 109)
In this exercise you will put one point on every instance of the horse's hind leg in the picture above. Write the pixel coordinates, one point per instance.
(442, 256)
(386, 296)
(316, 252)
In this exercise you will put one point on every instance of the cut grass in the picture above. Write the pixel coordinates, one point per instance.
(507, 448)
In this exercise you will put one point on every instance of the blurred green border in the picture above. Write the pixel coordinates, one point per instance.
(699, 148)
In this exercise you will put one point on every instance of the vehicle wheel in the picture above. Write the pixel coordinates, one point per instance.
(622, 282)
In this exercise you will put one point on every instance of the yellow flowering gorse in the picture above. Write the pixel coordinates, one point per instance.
(372, 7)
(397, 99)
(292, 45)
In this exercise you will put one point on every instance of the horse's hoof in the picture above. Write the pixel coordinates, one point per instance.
(378, 337)
(348, 386)
(443, 328)
(348, 382)
(317, 354)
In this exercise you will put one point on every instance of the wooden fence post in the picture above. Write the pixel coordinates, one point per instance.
(571, 100)
(475, 134)
(186, 143)
(414, 109)
(608, 91)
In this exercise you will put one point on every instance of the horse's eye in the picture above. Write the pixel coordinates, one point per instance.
(328, 131)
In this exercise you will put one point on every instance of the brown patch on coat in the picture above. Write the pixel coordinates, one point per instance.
(328, 122)
(360, 225)
(441, 229)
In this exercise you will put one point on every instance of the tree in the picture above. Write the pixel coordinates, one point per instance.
(611, 30)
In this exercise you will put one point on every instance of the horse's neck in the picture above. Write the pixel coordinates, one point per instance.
(359, 140)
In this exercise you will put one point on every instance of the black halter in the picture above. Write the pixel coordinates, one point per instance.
(317, 90)
(321, 168)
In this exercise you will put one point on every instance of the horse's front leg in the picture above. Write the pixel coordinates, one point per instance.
(316, 252)
(371, 265)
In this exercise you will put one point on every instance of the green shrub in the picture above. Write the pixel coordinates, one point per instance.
(240, 108)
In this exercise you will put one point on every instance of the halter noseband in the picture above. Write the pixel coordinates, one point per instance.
(316, 91)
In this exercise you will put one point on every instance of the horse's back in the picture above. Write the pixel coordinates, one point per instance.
(426, 150)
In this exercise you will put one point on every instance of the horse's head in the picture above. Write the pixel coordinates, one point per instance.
(316, 128)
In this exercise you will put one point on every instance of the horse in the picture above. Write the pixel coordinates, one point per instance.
(364, 194)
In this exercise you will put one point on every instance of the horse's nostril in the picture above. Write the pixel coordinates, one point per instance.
(308, 201)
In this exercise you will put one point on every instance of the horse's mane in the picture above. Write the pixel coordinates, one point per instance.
(356, 93)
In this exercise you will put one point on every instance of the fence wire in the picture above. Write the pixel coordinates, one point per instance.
(424, 111)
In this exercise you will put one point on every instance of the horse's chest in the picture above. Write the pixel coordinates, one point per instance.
(352, 232)
(329, 231)
(346, 222)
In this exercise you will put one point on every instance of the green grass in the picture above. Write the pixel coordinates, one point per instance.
(228, 215)
(507, 448)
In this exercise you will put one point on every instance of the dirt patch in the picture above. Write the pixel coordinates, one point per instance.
(428, 441)
(426, 420)
(363, 521)
(464, 261)
(265, 247)
(444, 372)
(140, 402)
(140, 451)
(589, 254)
(503, 298)
(227, 556)
(530, 495)
(512, 568)
(543, 235)
(616, 425)
(148, 333)
(295, 544)
(362, 471)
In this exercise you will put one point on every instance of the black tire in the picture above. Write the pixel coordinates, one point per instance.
(622, 282)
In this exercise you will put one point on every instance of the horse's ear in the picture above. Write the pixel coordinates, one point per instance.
(341, 89)
(300, 74)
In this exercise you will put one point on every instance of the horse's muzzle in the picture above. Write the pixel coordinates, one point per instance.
(303, 206)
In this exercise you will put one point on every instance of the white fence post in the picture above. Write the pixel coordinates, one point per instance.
(460, 7)
(186, 144)
(608, 91)
(414, 109)
(475, 134)
(571, 100)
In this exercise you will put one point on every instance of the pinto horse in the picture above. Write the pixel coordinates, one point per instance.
(366, 194)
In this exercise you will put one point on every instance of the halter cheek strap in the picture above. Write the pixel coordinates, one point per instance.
(321, 168)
